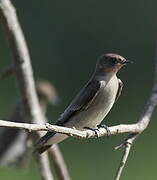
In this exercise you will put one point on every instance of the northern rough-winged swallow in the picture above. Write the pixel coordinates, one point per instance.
(92, 103)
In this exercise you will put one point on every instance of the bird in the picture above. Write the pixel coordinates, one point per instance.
(92, 103)
(14, 147)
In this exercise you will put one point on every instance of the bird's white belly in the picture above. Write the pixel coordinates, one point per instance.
(98, 109)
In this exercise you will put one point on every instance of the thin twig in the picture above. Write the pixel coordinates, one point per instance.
(43, 165)
(127, 147)
(21, 60)
(118, 129)
(59, 164)
(14, 147)
(86, 134)
(123, 161)
(23, 70)
(143, 122)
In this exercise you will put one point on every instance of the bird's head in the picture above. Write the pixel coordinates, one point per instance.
(111, 63)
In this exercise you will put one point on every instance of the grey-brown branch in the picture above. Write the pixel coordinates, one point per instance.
(118, 129)
(24, 74)
(142, 124)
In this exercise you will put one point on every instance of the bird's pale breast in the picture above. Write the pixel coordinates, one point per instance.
(99, 108)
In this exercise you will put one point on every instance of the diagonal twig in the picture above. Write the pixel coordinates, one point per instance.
(143, 123)
(24, 75)
(127, 147)
(59, 163)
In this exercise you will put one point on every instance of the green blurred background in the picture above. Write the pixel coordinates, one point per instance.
(65, 38)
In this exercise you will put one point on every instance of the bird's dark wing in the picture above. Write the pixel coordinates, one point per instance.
(81, 102)
(120, 87)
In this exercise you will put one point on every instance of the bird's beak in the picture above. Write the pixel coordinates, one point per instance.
(126, 62)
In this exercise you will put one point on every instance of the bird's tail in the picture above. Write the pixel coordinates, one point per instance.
(48, 140)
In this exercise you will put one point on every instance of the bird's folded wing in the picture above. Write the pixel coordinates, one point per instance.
(81, 102)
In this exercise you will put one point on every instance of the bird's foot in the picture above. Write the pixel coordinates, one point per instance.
(96, 130)
(105, 127)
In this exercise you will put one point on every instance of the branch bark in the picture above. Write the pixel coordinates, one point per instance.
(142, 123)
(127, 147)
(24, 75)
(118, 129)
(14, 149)
(59, 163)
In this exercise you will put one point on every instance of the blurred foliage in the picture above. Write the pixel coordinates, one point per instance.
(65, 38)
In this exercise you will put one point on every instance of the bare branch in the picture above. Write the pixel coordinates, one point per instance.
(23, 70)
(142, 123)
(22, 64)
(127, 147)
(14, 147)
(59, 163)
(118, 129)
(123, 160)
(43, 165)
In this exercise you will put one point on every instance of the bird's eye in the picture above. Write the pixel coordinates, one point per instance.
(114, 60)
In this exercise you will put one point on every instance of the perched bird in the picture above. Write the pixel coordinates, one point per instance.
(92, 103)
(13, 146)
